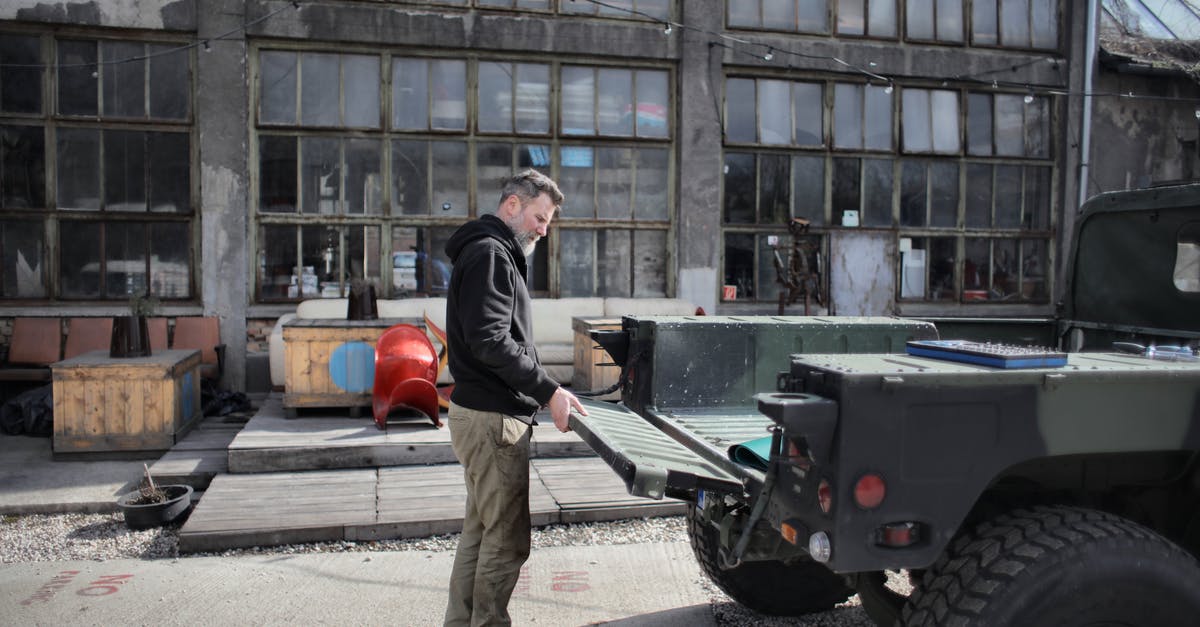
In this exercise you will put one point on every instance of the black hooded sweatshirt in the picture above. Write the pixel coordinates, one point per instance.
(489, 323)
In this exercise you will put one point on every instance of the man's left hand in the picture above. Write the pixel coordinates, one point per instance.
(561, 405)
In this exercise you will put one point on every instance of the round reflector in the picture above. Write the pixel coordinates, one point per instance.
(869, 491)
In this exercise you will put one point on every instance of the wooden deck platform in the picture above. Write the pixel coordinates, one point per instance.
(392, 502)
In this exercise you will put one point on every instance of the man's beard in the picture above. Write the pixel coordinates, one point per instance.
(527, 240)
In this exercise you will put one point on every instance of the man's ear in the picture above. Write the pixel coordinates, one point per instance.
(511, 206)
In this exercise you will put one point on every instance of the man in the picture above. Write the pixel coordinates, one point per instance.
(498, 386)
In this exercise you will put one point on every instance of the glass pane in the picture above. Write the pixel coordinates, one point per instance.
(1033, 269)
(360, 90)
(578, 100)
(1037, 128)
(1037, 199)
(882, 18)
(124, 171)
(650, 199)
(652, 104)
(979, 124)
(660, 9)
(949, 20)
(1008, 196)
(739, 110)
(983, 23)
(977, 269)
(408, 243)
(742, 13)
(649, 264)
(878, 118)
(22, 167)
(614, 183)
(318, 95)
(278, 277)
(739, 188)
(576, 254)
(124, 259)
(170, 172)
(1014, 23)
(851, 17)
(914, 268)
(812, 16)
(78, 176)
(320, 256)
(943, 194)
(439, 268)
(495, 96)
(320, 175)
(576, 6)
(774, 112)
(774, 201)
(170, 268)
(277, 174)
(77, 88)
(493, 164)
(616, 7)
(877, 192)
(533, 98)
(945, 121)
(410, 93)
(778, 14)
(808, 110)
(21, 246)
(449, 160)
(808, 184)
(979, 196)
(917, 134)
(449, 106)
(1045, 23)
(1004, 269)
(362, 254)
(577, 181)
(613, 253)
(20, 87)
(940, 257)
(615, 105)
(278, 87)
(739, 265)
(847, 188)
(79, 262)
(768, 277)
(918, 22)
(533, 156)
(1010, 133)
(913, 193)
(169, 76)
(364, 179)
(848, 116)
(124, 80)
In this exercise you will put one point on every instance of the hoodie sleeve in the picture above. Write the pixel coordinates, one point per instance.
(487, 275)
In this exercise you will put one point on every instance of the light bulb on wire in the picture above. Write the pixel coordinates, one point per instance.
(667, 30)
(769, 55)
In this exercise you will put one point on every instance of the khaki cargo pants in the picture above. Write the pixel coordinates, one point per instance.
(494, 451)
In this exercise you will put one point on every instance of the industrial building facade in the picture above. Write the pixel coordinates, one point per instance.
(235, 158)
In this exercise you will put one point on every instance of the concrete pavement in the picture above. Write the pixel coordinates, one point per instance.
(639, 584)
(32, 482)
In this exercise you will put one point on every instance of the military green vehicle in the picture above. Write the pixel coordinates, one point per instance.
(1015, 485)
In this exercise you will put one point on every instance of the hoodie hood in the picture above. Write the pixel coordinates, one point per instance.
(488, 226)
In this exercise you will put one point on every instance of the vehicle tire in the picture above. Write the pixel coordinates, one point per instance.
(773, 587)
(1058, 566)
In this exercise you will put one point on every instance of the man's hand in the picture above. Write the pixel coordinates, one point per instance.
(560, 408)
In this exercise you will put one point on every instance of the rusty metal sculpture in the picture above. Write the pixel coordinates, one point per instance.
(800, 275)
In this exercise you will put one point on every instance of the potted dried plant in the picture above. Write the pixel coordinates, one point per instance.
(152, 505)
(131, 334)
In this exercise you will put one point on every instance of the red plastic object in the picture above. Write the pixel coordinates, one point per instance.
(405, 372)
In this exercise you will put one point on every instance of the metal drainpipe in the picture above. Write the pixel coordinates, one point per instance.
(1085, 146)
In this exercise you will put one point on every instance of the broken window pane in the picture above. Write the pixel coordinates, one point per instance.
(614, 109)
(649, 264)
(320, 175)
(124, 171)
(124, 79)
(575, 270)
(410, 93)
(360, 90)
(533, 98)
(652, 104)
(613, 255)
(449, 107)
(21, 246)
(277, 91)
(77, 88)
(808, 181)
(577, 180)
(614, 185)
(650, 201)
(170, 172)
(739, 110)
(20, 87)
(877, 192)
(277, 174)
(739, 188)
(449, 167)
(578, 100)
(319, 81)
(774, 112)
(739, 265)
(23, 163)
(410, 178)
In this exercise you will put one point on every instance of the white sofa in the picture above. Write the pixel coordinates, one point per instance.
(552, 330)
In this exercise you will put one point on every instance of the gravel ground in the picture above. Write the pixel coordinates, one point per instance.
(103, 537)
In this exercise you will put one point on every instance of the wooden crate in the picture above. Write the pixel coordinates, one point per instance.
(105, 404)
(331, 362)
(593, 365)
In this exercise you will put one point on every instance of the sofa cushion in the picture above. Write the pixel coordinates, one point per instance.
(616, 307)
(275, 346)
(552, 318)
(556, 353)
(322, 308)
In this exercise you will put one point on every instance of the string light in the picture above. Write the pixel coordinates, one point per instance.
(667, 29)
(769, 55)
(207, 48)
(1029, 98)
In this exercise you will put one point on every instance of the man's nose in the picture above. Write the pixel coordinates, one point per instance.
(542, 229)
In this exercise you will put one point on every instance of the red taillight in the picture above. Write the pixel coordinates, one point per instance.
(869, 491)
(825, 496)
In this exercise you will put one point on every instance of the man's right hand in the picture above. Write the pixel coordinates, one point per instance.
(560, 408)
